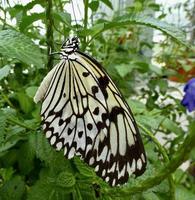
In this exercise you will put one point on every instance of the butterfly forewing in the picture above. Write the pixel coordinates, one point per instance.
(84, 114)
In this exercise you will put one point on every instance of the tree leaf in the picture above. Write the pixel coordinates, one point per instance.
(4, 71)
(14, 44)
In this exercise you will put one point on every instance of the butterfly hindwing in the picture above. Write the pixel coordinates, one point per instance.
(125, 153)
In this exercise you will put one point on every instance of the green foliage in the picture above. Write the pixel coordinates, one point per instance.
(4, 71)
(29, 167)
(26, 50)
(13, 189)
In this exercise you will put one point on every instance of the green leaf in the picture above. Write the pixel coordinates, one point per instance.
(46, 153)
(25, 102)
(30, 91)
(31, 4)
(96, 29)
(13, 189)
(3, 119)
(150, 195)
(4, 71)
(123, 69)
(184, 194)
(25, 161)
(154, 6)
(14, 44)
(142, 66)
(163, 86)
(136, 106)
(47, 188)
(108, 3)
(180, 175)
(6, 173)
(43, 150)
(94, 5)
(63, 17)
(151, 121)
(29, 19)
(172, 126)
(83, 168)
(9, 135)
(125, 20)
(15, 10)
(166, 28)
(44, 191)
(12, 136)
(65, 179)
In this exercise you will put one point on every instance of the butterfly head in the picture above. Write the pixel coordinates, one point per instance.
(70, 45)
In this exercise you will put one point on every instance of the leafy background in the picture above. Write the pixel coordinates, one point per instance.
(29, 168)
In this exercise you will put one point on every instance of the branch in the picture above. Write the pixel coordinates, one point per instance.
(49, 33)
(181, 155)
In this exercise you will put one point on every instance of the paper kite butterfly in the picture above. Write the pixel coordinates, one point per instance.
(84, 114)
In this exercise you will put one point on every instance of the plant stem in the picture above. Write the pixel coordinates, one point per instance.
(165, 157)
(7, 99)
(181, 155)
(49, 33)
(86, 6)
(21, 124)
(160, 147)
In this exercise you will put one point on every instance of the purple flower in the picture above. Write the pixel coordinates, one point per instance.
(189, 97)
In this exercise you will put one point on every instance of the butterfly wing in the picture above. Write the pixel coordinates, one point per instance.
(84, 113)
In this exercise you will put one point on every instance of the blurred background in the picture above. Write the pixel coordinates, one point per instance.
(146, 46)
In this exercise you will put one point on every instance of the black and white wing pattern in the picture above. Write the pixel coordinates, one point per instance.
(84, 114)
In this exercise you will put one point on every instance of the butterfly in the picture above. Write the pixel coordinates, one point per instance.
(84, 114)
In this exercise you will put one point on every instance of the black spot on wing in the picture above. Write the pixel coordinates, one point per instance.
(114, 113)
(103, 83)
(89, 126)
(80, 134)
(85, 74)
(69, 131)
(94, 89)
(96, 111)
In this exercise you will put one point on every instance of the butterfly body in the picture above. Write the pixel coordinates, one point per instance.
(84, 114)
